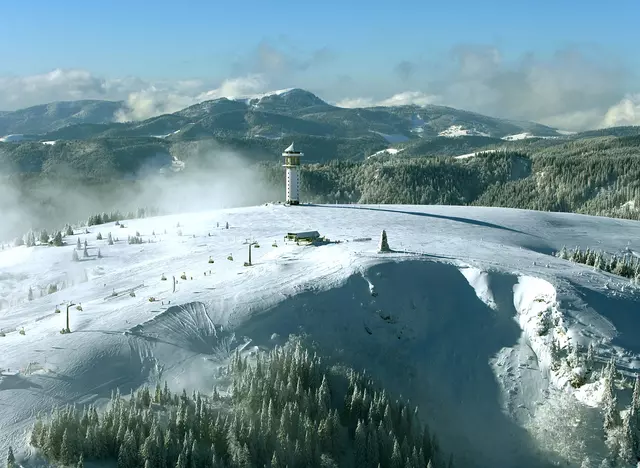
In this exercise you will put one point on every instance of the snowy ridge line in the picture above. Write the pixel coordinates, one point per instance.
(440, 318)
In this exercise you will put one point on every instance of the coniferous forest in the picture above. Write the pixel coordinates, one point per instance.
(281, 408)
(598, 175)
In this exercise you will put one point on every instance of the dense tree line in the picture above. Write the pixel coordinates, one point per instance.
(628, 266)
(597, 176)
(283, 408)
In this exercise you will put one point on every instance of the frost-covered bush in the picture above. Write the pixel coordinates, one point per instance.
(134, 239)
(282, 409)
(628, 266)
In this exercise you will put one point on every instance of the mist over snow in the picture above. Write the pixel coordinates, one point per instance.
(209, 176)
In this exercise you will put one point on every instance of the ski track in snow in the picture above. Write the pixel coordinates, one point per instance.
(448, 319)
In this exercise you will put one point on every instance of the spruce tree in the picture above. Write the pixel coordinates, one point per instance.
(109, 239)
(80, 461)
(30, 294)
(360, 445)
(11, 459)
(74, 257)
(44, 237)
(66, 449)
(57, 239)
(78, 244)
(85, 253)
(610, 401)
(99, 236)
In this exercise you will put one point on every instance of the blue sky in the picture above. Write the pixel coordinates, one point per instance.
(201, 38)
(562, 62)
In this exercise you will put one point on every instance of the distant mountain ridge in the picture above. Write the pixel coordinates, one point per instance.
(277, 114)
(45, 118)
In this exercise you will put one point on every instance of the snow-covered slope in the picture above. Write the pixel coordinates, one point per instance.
(524, 136)
(450, 320)
(459, 130)
(13, 138)
(471, 155)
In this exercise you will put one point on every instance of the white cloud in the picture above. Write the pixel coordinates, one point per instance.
(167, 99)
(570, 90)
(400, 99)
(626, 112)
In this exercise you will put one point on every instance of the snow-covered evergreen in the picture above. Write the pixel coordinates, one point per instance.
(627, 266)
(281, 410)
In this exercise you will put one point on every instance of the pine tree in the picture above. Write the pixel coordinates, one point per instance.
(109, 239)
(74, 257)
(69, 230)
(563, 253)
(99, 236)
(99, 254)
(360, 445)
(396, 457)
(128, 453)
(80, 461)
(85, 253)
(85, 243)
(44, 237)
(628, 439)
(78, 244)
(610, 401)
(66, 449)
(373, 453)
(57, 239)
(30, 294)
(11, 459)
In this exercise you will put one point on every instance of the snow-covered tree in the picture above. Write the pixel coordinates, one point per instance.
(11, 459)
(85, 253)
(360, 445)
(99, 236)
(44, 237)
(30, 294)
(278, 411)
(609, 398)
(628, 443)
(74, 256)
(78, 244)
(109, 239)
(57, 239)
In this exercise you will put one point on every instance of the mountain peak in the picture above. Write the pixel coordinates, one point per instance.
(292, 98)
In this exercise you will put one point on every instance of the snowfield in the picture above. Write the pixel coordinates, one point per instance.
(458, 130)
(452, 319)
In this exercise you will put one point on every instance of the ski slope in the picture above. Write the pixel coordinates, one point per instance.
(448, 320)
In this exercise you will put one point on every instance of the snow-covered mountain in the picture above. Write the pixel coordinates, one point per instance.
(452, 319)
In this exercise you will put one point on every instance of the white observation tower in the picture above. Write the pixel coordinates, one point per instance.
(292, 166)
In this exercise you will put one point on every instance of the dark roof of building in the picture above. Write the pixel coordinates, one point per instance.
(305, 234)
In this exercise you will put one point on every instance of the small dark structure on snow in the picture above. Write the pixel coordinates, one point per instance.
(307, 236)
